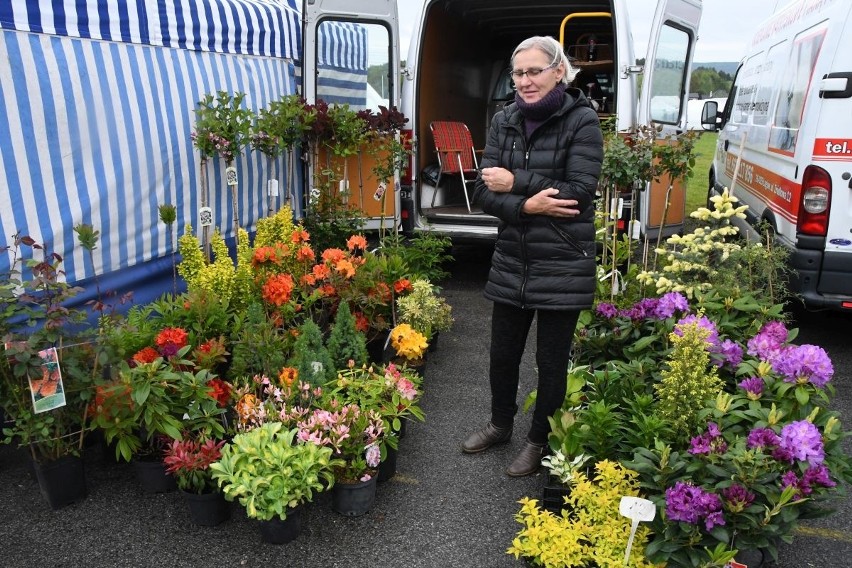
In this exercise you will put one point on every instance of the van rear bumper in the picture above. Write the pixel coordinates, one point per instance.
(824, 279)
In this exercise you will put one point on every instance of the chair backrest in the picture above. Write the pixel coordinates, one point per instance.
(453, 141)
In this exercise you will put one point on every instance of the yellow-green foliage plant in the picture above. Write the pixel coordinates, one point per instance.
(221, 277)
(688, 381)
(589, 531)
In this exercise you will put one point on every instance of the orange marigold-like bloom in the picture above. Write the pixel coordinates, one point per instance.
(333, 255)
(299, 236)
(288, 376)
(305, 254)
(146, 355)
(356, 242)
(175, 336)
(321, 271)
(277, 289)
(362, 324)
(402, 285)
(345, 268)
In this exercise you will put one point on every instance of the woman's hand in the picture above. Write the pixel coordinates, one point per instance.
(544, 203)
(498, 180)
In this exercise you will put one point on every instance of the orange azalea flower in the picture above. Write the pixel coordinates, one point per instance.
(299, 236)
(308, 280)
(381, 291)
(321, 271)
(278, 289)
(362, 324)
(333, 255)
(221, 391)
(356, 242)
(246, 407)
(146, 355)
(305, 254)
(345, 268)
(402, 285)
(171, 338)
(328, 290)
(186, 305)
(288, 376)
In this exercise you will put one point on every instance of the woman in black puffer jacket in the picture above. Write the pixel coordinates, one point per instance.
(540, 171)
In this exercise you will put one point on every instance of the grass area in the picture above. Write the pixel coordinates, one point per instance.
(696, 190)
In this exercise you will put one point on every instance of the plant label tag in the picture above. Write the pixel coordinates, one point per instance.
(635, 230)
(616, 207)
(380, 191)
(205, 217)
(272, 188)
(637, 508)
(343, 186)
(231, 175)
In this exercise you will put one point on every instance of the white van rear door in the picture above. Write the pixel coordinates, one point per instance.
(671, 46)
(350, 52)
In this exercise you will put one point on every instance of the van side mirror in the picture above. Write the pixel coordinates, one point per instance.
(710, 115)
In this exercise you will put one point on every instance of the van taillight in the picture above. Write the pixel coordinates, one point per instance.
(816, 202)
(405, 174)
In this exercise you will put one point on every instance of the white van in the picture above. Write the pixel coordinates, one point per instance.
(457, 70)
(785, 145)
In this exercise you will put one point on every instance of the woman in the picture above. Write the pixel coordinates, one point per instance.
(540, 170)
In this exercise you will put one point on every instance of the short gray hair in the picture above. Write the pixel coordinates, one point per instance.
(553, 50)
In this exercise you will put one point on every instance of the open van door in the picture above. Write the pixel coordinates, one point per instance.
(663, 103)
(350, 56)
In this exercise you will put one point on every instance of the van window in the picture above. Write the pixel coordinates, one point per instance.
(795, 83)
(745, 89)
(669, 76)
(766, 80)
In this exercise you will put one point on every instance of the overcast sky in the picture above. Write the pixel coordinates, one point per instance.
(725, 31)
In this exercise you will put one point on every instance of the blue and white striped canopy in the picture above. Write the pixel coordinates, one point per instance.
(97, 104)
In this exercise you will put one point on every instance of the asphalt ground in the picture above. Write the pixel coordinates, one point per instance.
(442, 509)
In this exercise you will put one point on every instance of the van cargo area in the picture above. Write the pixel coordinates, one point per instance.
(462, 64)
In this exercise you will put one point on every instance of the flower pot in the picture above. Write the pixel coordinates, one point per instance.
(354, 499)
(753, 558)
(153, 478)
(376, 347)
(207, 509)
(387, 468)
(277, 531)
(62, 481)
(552, 495)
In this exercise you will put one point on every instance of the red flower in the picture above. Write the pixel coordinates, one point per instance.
(402, 285)
(278, 289)
(172, 335)
(146, 355)
(221, 391)
(362, 324)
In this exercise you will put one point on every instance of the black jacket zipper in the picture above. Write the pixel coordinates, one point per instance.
(568, 239)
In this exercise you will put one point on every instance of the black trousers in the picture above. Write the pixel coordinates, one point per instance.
(509, 329)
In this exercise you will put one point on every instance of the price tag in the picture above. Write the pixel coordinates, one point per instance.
(205, 217)
(231, 175)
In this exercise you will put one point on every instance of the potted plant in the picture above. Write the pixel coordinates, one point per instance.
(355, 436)
(392, 391)
(189, 460)
(424, 310)
(271, 473)
(589, 531)
(410, 347)
(44, 383)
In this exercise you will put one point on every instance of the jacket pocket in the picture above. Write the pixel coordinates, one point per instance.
(572, 242)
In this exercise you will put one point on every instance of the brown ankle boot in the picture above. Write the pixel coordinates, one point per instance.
(485, 438)
(528, 459)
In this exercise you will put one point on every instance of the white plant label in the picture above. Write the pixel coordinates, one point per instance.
(380, 191)
(231, 175)
(205, 217)
(636, 509)
(272, 188)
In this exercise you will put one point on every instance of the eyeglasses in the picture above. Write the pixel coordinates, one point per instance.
(532, 72)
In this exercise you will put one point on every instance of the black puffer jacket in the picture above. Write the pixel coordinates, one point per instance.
(543, 262)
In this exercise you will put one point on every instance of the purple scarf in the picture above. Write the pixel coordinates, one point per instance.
(536, 113)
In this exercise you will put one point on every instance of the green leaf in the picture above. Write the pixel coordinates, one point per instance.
(802, 395)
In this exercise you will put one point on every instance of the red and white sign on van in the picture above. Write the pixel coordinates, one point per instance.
(832, 148)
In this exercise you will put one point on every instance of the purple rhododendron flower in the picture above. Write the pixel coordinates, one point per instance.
(768, 342)
(789, 479)
(670, 303)
(803, 441)
(817, 475)
(700, 444)
(730, 352)
(776, 331)
(753, 387)
(762, 438)
(737, 497)
(606, 310)
(804, 364)
(689, 504)
(712, 339)
(647, 307)
(711, 442)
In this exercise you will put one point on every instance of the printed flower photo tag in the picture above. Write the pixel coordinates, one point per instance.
(48, 392)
